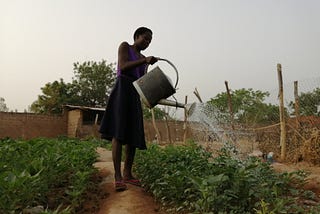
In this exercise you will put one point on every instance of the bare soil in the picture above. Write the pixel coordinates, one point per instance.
(313, 178)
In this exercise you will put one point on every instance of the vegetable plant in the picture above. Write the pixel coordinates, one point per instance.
(189, 179)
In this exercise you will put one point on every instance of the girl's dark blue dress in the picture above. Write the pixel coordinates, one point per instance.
(123, 118)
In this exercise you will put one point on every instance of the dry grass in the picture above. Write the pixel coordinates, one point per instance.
(311, 148)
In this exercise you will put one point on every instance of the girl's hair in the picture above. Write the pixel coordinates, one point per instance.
(140, 31)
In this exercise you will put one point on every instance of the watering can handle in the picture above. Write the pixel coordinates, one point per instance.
(170, 63)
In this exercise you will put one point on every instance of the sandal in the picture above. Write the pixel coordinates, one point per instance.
(120, 186)
(135, 182)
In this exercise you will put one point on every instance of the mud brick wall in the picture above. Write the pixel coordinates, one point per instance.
(74, 123)
(28, 126)
(176, 130)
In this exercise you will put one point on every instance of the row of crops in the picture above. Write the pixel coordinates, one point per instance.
(187, 179)
(56, 174)
(51, 173)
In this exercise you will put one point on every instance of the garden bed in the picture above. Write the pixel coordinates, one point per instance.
(48, 174)
(189, 179)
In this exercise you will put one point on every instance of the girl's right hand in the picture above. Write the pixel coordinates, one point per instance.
(151, 60)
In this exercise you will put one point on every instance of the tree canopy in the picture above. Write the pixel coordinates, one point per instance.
(91, 84)
(248, 107)
(158, 113)
(309, 103)
(3, 106)
(54, 95)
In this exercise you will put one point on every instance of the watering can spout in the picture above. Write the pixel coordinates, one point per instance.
(171, 103)
(188, 107)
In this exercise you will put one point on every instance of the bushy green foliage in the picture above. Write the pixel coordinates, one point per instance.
(188, 178)
(158, 113)
(249, 107)
(3, 105)
(91, 83)
(33, 171)
(308, 103)
(166, 172)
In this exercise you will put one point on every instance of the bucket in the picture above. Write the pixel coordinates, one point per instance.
(154, 86)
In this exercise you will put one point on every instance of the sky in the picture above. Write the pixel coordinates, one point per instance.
(209, 42)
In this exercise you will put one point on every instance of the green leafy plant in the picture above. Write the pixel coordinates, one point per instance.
(48, 172)
(187, 178)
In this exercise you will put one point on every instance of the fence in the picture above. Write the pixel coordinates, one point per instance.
(286, 121)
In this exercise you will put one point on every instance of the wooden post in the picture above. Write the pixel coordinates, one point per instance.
(296, 104)
(96, 119)
(230, 105)
(282, 115)
(168, 129)
(155, 127)
(185, 121)
(197, 95)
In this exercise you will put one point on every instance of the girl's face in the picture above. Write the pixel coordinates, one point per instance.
(143, 40)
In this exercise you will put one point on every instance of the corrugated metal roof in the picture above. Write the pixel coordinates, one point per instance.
(84, 108)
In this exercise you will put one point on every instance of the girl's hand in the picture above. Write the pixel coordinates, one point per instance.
(151, 60)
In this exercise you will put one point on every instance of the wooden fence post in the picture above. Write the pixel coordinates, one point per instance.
(158, 137)
(168, 129)
(197, 95)
(230, 105)
(296, 104)
(282, 115)
(185, 120)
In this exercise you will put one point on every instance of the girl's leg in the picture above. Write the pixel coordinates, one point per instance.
(116, 157)
(127, 171)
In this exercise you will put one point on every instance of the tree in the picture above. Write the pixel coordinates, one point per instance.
(94, 81)
(309, 103)
(90, 86)
(158, 113)
(248, 107)
(55, 95)
(3, 106)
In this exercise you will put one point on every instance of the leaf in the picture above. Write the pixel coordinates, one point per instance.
(214, 179)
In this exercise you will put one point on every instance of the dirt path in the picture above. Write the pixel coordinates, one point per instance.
(132, 201)
(313, 171)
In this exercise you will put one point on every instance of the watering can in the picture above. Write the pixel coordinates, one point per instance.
(155, 87)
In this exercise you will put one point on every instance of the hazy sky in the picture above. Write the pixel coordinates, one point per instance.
(209, 41)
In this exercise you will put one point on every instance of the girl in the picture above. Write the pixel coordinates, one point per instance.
(123, 119)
